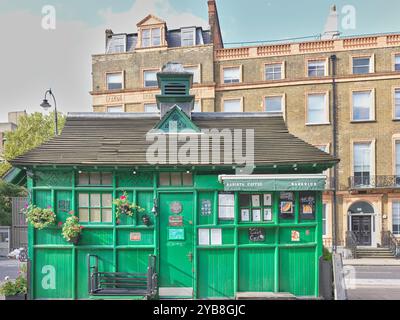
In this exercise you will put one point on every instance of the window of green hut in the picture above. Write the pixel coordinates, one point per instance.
(95, 207)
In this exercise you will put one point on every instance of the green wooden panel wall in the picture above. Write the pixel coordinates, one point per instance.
(256, 270)
(96, 236)
(49, 236)
(133, 260)
(307, 235)
(53, 274)
(43, 198)
(130, 180)
(215, 273)
(124, 237)
(297, 271)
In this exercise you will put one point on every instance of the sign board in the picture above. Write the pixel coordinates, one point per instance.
(176, 234)
(295, 184)
(206, 208)
(256, 234)
(175, 221)
(136, 236)
(176, 207)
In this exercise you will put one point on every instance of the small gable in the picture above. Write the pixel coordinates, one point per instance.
(150, 20)
(175, 121)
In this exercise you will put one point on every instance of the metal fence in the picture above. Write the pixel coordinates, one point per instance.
(4, 241)
(19, 229)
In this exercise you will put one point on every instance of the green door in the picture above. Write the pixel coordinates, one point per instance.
(176, 245)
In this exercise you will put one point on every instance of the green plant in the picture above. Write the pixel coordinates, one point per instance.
(123, 206)
(38, 217)
(327, 255)
(71, 229)
(13, 288)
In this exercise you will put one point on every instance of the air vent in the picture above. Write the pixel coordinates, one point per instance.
(178, 89)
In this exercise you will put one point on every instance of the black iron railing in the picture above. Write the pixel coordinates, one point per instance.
(367, 182)
(391, 242)
(351, 243)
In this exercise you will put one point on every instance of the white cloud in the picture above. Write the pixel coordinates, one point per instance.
(33, 60)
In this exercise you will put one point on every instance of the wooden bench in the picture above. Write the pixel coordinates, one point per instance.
(122, 284)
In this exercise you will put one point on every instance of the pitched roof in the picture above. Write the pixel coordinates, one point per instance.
(120, 139)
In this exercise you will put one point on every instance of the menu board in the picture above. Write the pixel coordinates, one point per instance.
(256, 234)
(267, 214)
(307, 205)
(206, 208)
(267, 199)
(255, 200)
(286, 205)
(176, 234)
(256, 215)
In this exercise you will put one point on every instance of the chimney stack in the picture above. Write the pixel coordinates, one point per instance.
(213, 19)
(331, 30)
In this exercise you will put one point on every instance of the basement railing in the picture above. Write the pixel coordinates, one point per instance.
(371, 182)
(351, 243)
(391, 242)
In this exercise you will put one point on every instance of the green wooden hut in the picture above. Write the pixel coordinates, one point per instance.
(205, 229)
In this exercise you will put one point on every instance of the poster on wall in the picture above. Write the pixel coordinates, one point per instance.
(295, 236)
(255, 200)
(245, 215)
(307, 205)
(267, 199)
(287, 207)
(267, 214)
(257, 215)
(204, 237)
(216, 237)
(206, 208)
(256, 235)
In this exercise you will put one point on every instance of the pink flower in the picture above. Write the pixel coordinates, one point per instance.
(81, 227)
(26, 206)
(48, 207)
(71, 213)
(123, 198)
(60, 224)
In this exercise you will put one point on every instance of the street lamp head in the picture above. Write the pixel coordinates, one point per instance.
(45, 105)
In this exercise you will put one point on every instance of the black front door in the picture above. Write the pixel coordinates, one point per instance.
(361, 226)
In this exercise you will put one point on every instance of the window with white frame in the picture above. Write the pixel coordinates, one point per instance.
(274, 104)
(196, 73)
(397, 159)
(325, 148)
(117, 44)
(188, 37)
(362, 163)
(150, 78)
(226, 206)
(115, 109)
(114, 81)
(232, 75)
(150, 107)
(151, 37)
(397, 104)
(363, 106)
(397, 62)
(362, 65)
(234, 105)
(316, 68)
(317, 108)
(324, 219)
(274, 71)
(197, 106)
(396, 217)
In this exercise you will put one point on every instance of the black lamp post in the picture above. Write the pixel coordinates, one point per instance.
(46, 105)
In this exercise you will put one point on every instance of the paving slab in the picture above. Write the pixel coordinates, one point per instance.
(371, 262)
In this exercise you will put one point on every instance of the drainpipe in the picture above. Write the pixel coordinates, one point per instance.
(333, 59)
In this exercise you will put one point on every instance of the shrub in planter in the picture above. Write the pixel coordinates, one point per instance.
(40, 218)
(71, 229)
(14, 290)
(123, 206)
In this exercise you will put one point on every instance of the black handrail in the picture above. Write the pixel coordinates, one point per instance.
(367, 181)
(391, 242)
(351, 243)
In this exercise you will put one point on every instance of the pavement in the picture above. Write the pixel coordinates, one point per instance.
(371, 262)
(8, 268)
(372, 282)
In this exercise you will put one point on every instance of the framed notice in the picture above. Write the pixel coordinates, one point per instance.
(245, 215)
(216, 237)
(287, 207)
(307, 205)
(256, 215)
(176, 234)
(204, 237)
(267, 214)
(255, 200)
(267, 199)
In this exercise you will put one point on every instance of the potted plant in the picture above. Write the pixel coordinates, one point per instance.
(14, 290)
(71, 229)
(38, 217)
(123, 206)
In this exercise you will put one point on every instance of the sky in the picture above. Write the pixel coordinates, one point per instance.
(33, 59)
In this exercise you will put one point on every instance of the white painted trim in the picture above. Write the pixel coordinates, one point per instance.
(271, 177)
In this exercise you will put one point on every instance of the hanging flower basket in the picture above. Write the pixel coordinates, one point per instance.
(38, 217)
(123, 206)
(71, 229)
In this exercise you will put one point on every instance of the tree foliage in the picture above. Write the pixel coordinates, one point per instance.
(8, 190)
(32, 131)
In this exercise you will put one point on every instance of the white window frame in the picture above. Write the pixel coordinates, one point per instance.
(116, 38)
(231, 81)
(199, 104)
(326, 108)
(144, 77)
(185, 42)
(372, 106)
(396, 105)
(372, 164)
(283, 102)
(114, 107)
(273, 64)
(121, 73)
(233, 99)
(395, 57)
(232, 214)
(323, 61)
(151, 37)
(392, 212)
(196, 74)
(396, 160)
(371, 64)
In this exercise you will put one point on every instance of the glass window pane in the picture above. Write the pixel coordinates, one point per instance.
(83, 200)
(244, 200)
(176, 179)
(362, 157)
(316, 112)
(156, 37)
(164, 179)
(83, 178)
(187, 179)
(273, 104)
(95, 178)
(397, 62)
(106, 179)
(115, 109)
(361, 65)
(95, 215)
(398, 158)
(196, 73)
(232, 75)
(95, 200)
(107, 215)
(273, 72)
(150, 79)
(114, 81)
(362, 105)
(106, 200)
(83, 215)
(146, 38)
(316, 68)
(232, 106)
(397, 103)
(197, 107)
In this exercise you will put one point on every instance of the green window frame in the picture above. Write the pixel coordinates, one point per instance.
(175, 179)
(86, 178)
(95, 207)
(256, 207)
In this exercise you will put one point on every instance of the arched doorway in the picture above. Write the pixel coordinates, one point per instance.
(361, 218)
